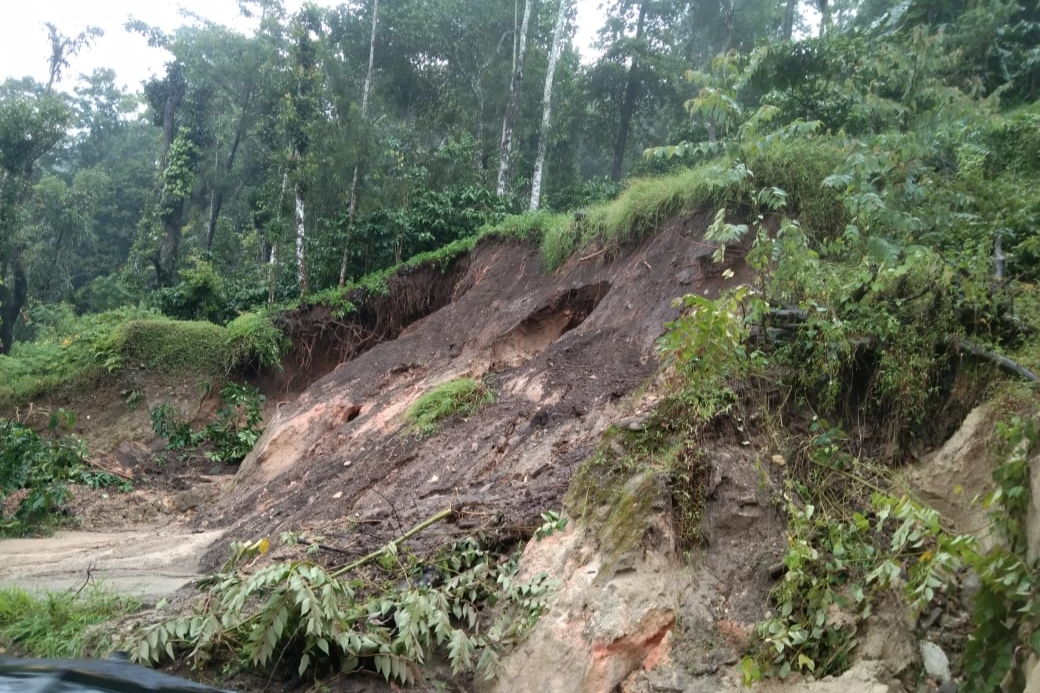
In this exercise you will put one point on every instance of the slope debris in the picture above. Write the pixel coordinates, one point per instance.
(561, 352)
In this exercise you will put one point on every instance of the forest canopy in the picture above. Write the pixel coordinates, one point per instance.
(330, 143)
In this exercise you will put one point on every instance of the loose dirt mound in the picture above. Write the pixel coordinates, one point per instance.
(561, 351)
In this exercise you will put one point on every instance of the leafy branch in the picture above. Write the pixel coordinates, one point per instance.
(301, 616)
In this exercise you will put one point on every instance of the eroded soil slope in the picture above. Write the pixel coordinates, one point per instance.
(561, 351)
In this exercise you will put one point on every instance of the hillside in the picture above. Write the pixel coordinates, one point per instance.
(677, 527)
(334, 369)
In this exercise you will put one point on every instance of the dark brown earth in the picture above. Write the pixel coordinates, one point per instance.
(562, 353)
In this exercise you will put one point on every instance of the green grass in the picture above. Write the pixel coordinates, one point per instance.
(80, 352)
(171, 346)
(65, 350)
(460, 397)
(252, 339)
(57, 624)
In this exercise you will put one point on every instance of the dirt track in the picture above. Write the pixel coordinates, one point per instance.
(147, 562)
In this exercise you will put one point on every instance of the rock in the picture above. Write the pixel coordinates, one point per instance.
(865, 676)
(949, 478)
(132, 454)
(193, 497)
(970, 586)
(888, 634)
(1032, 678)
(1033, 511)
(936, 663)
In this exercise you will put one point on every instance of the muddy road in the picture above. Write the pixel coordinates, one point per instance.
(147, 562)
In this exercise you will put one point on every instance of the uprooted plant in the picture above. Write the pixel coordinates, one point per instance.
(40, 468)
(300, 618)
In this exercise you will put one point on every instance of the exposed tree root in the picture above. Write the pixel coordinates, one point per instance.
(1000, 361)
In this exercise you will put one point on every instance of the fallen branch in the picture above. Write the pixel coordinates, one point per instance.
(592, 255)
(108, 470)
(442, 515)
(1000, 361)
(793, 317)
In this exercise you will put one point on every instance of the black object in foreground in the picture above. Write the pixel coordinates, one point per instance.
(89, 676)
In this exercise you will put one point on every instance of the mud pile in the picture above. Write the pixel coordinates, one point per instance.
(562, 352)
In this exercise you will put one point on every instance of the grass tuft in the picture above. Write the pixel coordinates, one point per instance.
(58, 624)
(460, 397)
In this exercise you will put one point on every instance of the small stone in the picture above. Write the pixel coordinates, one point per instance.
(970, 586)
(337, 494)
(936, 663)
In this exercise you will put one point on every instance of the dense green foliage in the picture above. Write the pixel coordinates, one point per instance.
(58, 624)
(69, 351)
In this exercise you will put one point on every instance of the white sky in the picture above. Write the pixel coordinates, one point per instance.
(24, 47)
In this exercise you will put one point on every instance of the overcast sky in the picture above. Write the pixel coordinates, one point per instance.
(24, 47)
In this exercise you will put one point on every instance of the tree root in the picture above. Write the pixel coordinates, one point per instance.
(1000, 361)
(782, 321)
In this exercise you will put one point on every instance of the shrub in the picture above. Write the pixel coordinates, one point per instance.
(171, 346)
(232, 435)
(199, 295)
(42, 467)
(254, 342)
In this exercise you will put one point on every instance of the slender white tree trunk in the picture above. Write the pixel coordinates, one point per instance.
(352, 209)
(519, 57)
(301, 239)
(550, 75)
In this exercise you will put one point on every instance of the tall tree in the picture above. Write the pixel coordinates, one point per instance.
(550, 74)
(628, 104)
(32, 121)
(352, 211)
(519, 59)
(177, 163)
(302, 109)
(65, 47)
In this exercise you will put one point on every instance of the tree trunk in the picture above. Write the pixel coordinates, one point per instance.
(216, 202)
(550, 74)
(825, 16)
(12, 298)
(352, 210)
(166, 258)
(301, 240)
(628, 106)
(519, 58)
(789, 12)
